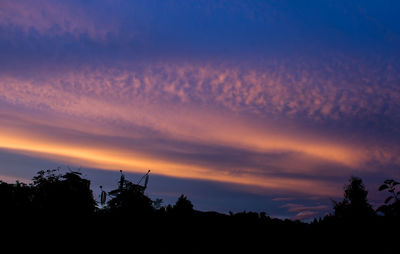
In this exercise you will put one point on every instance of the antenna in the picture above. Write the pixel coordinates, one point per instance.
(121, 181)
(146, 180)
(103, 196)
(146, 175)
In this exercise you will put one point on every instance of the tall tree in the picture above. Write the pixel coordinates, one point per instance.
(355, 203)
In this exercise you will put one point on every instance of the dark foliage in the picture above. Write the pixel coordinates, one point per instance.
(15, 198)
(59, 209)
(67, 194)
(391, 207)
(183, 207)
(129, 200)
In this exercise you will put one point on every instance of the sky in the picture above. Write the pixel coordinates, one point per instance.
(240, 105)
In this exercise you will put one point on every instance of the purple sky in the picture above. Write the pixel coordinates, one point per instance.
(241, 105)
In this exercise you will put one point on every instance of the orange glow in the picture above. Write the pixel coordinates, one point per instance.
(110, 156)
(190, 123)
(103, 159)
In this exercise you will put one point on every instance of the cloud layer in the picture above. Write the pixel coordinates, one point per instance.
(211, 122)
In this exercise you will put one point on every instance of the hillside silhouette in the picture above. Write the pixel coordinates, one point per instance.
(60, 210)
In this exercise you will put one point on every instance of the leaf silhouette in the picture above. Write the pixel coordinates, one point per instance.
(382, 208)
(389, 181)
(388, 199)
(383, 187)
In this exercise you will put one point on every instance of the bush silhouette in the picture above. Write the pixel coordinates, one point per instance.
(67, 194)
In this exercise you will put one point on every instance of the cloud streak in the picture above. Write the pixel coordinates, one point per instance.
(305, 212)
(54, 17)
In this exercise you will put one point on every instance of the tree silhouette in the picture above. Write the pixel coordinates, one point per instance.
(15, 198)
(56, 203)
(67, 194)
(157, 204)
(183, 206)
(355, 204)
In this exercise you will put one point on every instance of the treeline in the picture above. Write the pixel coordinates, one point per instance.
(63, 205)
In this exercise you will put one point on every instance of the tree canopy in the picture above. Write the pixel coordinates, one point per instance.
(66, 202)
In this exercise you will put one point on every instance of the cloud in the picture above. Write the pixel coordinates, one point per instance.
(109, 30)
(11, 179)
(289, 90)
(304, 215)
(55, 18)
(96, 151)
(305, 212)
(143, 105)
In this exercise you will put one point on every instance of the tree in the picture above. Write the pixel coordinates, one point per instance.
(355, 204)
(67, 194)
(183, 206)
(78, 196)
(157, 204)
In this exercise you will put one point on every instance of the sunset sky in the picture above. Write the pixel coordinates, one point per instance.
(240, 105)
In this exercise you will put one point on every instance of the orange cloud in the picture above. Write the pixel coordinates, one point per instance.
(108, 158)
